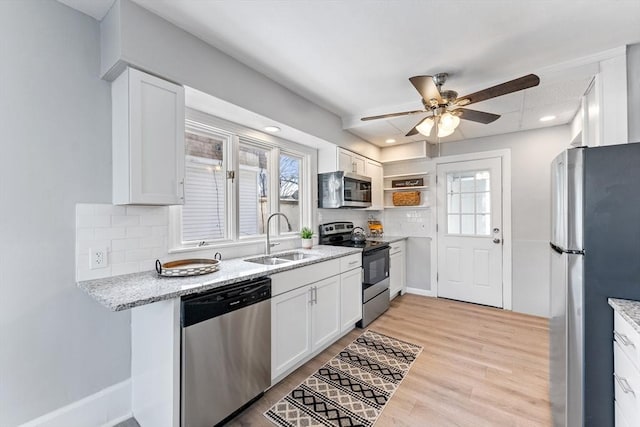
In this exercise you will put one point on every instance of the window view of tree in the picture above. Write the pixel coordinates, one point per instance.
(289, 191)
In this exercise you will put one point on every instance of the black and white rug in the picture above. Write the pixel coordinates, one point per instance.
(352, 388)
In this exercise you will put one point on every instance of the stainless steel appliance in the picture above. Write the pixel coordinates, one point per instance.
(375, 268)
(595, 254)
(226, 351)
(343, 190)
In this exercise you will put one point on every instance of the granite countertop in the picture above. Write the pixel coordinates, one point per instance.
(388, 239)
(629, 310)
(132, 290)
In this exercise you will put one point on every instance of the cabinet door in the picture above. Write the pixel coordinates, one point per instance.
(374, 170)
(290, 329)
(345, 162)
(149, 145)
(325, 311)
(359, 165)
(350, 299)
(397, 269)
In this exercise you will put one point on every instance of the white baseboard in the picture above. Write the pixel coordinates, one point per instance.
(423, 292)
(105, 408)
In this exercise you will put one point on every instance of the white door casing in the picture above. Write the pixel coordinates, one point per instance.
(470, 231)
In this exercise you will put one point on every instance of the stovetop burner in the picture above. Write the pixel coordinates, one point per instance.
(339, 234)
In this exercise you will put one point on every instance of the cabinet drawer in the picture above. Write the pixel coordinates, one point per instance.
(396, 247)
(627, 384)
(627, 337)
(350, 262)
(302, 276)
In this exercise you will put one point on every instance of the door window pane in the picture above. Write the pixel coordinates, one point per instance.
(468, 203)
(253, 181)
(203, 213)
(290, 191)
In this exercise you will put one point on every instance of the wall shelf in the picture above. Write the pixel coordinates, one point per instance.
(425, 201)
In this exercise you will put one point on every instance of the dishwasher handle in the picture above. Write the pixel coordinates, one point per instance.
(204, 306)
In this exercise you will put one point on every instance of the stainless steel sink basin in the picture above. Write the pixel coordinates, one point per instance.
(293, 256)
(267, 260)
(278, 258)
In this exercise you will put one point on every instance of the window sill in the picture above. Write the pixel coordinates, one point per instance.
(233, 244)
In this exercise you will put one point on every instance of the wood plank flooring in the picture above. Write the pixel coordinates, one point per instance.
(480, 367)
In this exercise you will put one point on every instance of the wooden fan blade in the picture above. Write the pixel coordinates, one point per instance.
(426, 88)
(414, 130)
(515, 85)
(476, 116)
(386, 116)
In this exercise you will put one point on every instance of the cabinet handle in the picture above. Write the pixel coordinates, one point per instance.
(624, 384)
(315, 294)
(623, 339)
(353, 262)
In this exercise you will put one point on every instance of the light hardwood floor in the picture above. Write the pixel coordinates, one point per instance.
(480, 367)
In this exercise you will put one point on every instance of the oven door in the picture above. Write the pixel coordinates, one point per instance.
(375, 264)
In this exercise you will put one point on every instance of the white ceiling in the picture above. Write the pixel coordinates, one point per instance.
(354, 57)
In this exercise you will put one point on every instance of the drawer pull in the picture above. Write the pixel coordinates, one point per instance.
(623, 339)
(354, 262)
(624, 385)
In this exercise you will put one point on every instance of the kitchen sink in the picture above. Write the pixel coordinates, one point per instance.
(277, 259)
(292, 256)
(267, 260)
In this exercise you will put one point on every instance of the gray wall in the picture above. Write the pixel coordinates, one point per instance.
(56, 344)
(531, 155)
(633, 91)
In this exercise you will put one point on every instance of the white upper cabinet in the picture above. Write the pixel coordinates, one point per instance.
(375, 172)
(148, 140)
(351, 162)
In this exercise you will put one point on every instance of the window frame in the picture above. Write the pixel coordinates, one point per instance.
(202, 123)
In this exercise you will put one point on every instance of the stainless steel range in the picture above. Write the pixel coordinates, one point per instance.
(375, 267)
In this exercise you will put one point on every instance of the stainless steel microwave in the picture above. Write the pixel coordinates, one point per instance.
(343, 190)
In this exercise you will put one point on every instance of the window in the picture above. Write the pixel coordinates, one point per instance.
(468, 203)
(234, 179)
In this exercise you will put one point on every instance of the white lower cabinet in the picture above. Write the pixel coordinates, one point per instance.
(290, 329)
(302, 321)
(397, 269)
(350, 298)
(626, 376)
(325, 311)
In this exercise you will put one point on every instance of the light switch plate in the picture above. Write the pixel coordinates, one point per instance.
(98, 258)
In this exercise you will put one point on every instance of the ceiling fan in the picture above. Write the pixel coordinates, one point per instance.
(445, 106)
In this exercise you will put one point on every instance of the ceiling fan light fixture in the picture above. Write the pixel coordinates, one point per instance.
(443, 131)
(449, 122)
(425, 127)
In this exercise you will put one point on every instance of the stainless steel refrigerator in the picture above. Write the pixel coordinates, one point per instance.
(595, 255)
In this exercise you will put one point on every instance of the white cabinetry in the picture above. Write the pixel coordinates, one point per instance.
(397, 269)
(350, 292)
(148, 140)
(423, 188)
(626, 356)
(305, 314)
(374, 170)
(351, 162)
(290, 329)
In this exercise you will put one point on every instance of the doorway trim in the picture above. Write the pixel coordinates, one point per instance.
(505, 156)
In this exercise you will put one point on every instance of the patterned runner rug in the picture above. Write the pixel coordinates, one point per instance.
(352, 388)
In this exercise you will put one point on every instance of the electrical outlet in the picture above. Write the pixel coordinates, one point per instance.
(98, 258)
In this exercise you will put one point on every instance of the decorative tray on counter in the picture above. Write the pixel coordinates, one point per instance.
(187, 267)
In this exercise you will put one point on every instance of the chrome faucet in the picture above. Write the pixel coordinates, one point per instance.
(269, 245)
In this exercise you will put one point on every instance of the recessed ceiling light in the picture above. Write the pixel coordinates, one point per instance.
(547, 118)
(272, 128)
(390, 141)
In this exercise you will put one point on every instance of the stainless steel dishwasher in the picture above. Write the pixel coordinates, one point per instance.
(226, 351)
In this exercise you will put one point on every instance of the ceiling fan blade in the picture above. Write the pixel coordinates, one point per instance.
(476, 116)
(511, 86)
(426, 88)
(414, 130)
(386, 116)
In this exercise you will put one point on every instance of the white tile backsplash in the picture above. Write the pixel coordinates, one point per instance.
(135, 236)
(407, 222)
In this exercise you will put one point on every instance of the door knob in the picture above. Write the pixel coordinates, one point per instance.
(496, 240)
